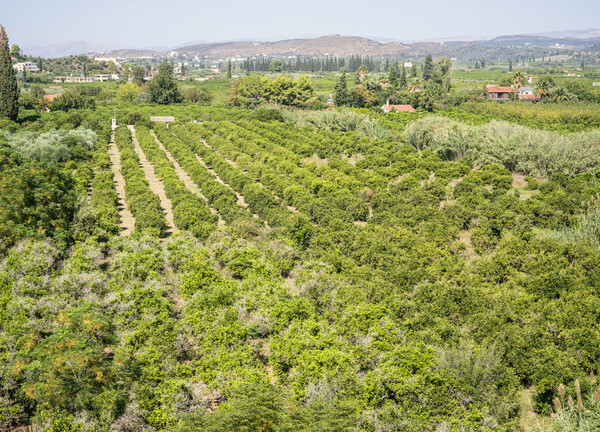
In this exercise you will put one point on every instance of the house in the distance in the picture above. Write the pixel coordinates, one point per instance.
(397, 108)
(530, 98)
(525, 90)
(27, 66)
(500, 94)
(508, 94)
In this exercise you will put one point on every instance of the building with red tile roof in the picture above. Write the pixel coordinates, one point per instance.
(530, 98)
(398, 108)
(501, 94)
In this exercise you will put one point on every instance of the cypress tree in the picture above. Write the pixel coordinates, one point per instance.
(403, 77)
(413, 70)
(428, 68)
(229, 74)
(510, 65)
(393, 77)
(341, 95)
(9, 90)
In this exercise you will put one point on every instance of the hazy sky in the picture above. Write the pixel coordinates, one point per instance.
(137, 23)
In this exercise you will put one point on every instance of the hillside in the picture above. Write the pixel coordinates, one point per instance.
(129, 53)
(340, 46)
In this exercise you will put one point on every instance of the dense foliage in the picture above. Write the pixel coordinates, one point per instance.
(519, 149)
(54, 146)
(9, 91)
(340, 270)
(255, 89)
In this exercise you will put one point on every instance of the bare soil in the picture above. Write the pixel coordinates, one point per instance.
(184, 177)
(155, 182)
(127, 219)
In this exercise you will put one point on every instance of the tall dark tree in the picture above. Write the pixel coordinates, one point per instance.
(393, 76)
(9, 90)
(341, 96)
(402, 82)
(510, 65)
(413, 71)
(163, 88)
(428, 68)
(229, 74)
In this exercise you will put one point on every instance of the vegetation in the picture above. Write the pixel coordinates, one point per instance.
(254, 90)
(522, 150)
(163, 88)
(9, 91)
(144, 204)
(334, 269)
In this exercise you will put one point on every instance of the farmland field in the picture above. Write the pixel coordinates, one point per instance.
(209, 239)
(347, 276)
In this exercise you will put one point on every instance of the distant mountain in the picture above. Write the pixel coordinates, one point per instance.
(67, 48)
(340, 46)
(594, 48)
(129, 53)
(539, 41)
(463, 47)
(576, 34)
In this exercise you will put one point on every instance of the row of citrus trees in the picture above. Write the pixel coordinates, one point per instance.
(219, 196)
(260, 200)
(143, 203)
(104, 198)
(341, 171)
(311, 192)
(190, 212)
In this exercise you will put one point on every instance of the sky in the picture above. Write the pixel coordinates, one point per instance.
(169, 23)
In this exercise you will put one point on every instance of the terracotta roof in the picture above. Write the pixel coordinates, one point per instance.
(50, 98)
(403, 108)
(530, 96)
(500, 89)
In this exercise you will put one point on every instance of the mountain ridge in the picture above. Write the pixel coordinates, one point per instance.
(335, 45)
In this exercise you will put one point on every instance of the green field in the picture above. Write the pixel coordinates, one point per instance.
(281, 265)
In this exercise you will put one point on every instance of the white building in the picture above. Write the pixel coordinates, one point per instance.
(27, 66)
(407, 64)
(526, 90)
(74, 79)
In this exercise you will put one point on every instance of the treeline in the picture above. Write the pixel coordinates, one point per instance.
(319, 64)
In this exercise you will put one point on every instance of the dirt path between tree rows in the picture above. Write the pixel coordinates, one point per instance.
(156, 185)
(185, 178)
(127, 219)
